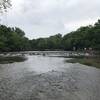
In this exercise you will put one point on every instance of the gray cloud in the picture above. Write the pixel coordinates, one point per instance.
(41, 18)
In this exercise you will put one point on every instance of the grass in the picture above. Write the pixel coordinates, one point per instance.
(6, 60)
(95, 62)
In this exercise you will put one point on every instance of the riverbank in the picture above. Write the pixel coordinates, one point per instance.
(11, 59)
(90, 61)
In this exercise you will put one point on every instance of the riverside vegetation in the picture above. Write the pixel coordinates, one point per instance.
(86, 61)
(11, 59)
(13, 39)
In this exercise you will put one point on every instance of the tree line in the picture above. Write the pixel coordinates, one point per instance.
(13, 39)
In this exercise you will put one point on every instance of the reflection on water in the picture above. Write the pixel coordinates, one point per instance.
(44, 64)
(35, 64)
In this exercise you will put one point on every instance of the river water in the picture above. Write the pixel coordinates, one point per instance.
(48, 78)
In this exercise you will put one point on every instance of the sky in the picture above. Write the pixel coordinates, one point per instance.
(43, 18)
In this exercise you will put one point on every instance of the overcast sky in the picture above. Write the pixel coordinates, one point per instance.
(42, 18)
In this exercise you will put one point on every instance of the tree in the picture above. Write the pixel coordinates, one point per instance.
(4, 5)
(13, 39)
(19, 32)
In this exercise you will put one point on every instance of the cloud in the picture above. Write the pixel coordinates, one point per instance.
(42, 18)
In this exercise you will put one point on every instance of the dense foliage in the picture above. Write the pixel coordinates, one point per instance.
(84, 37)
(13, 39)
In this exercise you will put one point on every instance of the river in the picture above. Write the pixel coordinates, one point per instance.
(48, 78)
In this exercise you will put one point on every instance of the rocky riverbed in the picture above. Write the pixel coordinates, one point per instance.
(48, 78)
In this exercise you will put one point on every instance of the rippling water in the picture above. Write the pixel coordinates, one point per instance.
(48, 78)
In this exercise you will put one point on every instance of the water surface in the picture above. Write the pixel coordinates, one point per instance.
(48, 78)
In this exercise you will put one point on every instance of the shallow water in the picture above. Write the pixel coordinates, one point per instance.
(48, 78)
